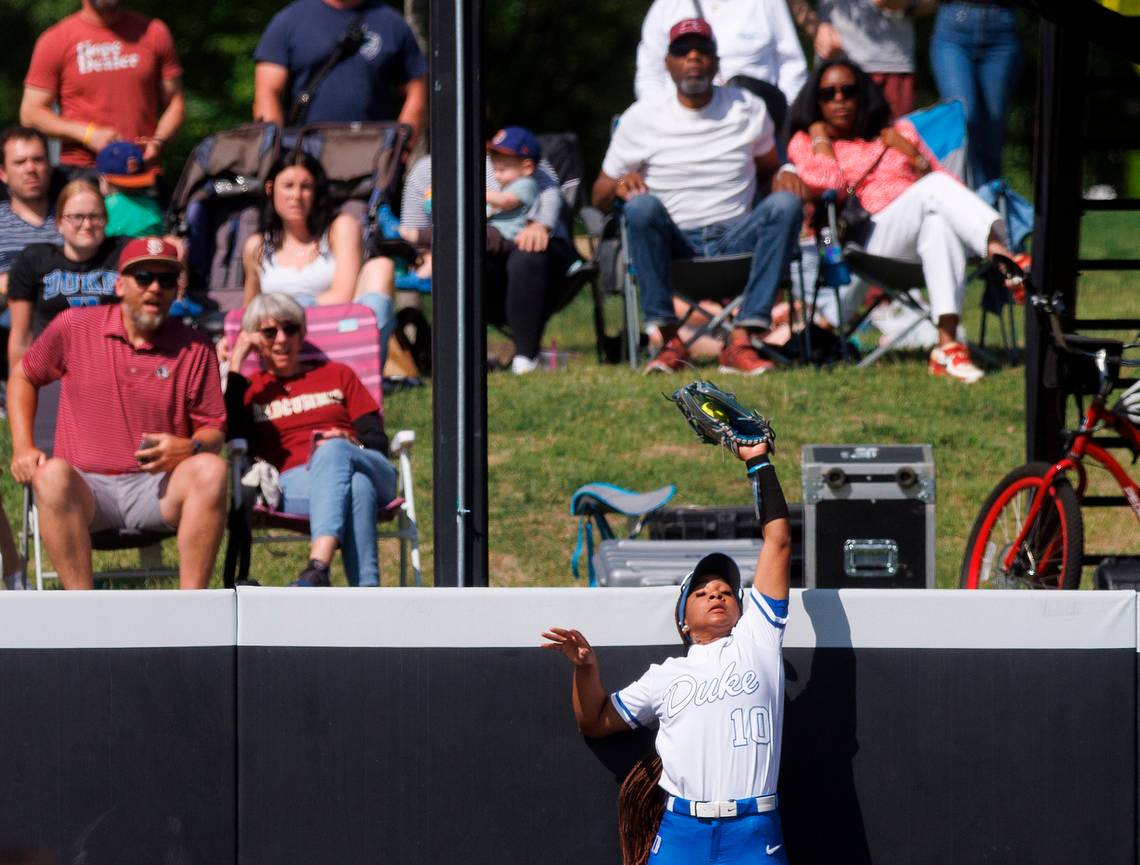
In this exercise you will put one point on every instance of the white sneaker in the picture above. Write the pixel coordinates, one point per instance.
(522, 365)
(953, 360)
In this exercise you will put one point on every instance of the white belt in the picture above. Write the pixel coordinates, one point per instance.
(726, 808)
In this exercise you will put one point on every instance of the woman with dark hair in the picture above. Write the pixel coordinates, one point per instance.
(306, 251)
(842, 138)
(710, 798)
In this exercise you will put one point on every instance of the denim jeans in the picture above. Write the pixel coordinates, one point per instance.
(341, 489)
(976, 55)
(769, 232)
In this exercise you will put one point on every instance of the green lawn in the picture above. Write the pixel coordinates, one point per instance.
(553, 431)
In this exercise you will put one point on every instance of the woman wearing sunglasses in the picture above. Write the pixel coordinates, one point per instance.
(321, 429)
(841, 138)
(306, 251)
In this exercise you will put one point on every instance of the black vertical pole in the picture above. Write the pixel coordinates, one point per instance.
(459, 381)
(1057, 229)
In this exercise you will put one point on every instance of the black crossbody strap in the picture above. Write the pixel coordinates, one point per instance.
(346, 45)
(700, 9)
(854, 187)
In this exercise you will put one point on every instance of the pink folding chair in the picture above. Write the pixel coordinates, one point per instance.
(346, 333)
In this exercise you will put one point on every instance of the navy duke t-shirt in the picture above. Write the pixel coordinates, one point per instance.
(302, 36)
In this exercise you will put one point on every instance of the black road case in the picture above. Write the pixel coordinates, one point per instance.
(868, 516)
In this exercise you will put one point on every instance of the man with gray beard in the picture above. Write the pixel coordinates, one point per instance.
(115, 76)
(140, 427)
(688, 165)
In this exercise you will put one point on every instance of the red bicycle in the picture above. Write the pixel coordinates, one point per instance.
(1029, 533)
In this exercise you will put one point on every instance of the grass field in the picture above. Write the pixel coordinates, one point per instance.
(553, 431)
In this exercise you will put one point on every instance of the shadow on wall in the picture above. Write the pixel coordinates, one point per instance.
(819, 805)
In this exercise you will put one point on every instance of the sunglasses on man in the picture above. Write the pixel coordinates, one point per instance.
(270, 333)
(165, 279)
(682, 47)
(847, 91)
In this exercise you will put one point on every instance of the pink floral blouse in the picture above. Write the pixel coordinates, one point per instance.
(853, 157)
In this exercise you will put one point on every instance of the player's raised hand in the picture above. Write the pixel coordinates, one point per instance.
(746, 452)
(570, 643)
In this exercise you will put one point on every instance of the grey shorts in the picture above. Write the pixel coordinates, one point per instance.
(128, 501)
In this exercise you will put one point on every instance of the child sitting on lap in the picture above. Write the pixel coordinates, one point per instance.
(514, 156)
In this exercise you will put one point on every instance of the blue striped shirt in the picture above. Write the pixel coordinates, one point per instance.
(15, 234)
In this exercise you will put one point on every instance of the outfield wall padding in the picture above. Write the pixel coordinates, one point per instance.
(118, 726)
(425, 726)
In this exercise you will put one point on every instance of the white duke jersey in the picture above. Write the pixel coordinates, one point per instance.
(720, 709)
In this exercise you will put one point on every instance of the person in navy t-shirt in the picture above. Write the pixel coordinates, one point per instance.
(363, 86)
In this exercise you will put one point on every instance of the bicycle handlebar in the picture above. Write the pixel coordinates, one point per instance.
(1054, 308)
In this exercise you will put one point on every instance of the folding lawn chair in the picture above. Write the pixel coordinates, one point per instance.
(346, 333)
(149, 545)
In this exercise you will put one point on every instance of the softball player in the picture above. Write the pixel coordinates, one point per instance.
(719, 709)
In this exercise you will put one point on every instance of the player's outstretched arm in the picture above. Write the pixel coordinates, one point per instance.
(773, 565)
(593, 710)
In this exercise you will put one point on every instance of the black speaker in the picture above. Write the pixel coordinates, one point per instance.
(868, 516)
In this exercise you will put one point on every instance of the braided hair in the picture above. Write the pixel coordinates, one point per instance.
(640, 806)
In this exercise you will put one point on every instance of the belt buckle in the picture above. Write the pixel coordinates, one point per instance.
(714, 810)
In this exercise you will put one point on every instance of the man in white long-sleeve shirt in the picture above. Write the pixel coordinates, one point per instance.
(755, 38)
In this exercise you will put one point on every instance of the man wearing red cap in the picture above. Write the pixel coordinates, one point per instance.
(140, 425)
(688, 165)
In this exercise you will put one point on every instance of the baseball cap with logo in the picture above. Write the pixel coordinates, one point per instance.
(691, 27)
(121, 162)
(516, 141)
(711, 567)
(148, 250)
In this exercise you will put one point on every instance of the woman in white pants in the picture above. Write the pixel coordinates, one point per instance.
(842, 139)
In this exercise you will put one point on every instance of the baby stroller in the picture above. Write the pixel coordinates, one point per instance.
(217, 202)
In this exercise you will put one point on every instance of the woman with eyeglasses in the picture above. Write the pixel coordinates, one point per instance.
(47, 278)
(321, 429)
(305, 250)
(842, 137)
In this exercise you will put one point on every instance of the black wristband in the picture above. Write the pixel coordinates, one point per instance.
(754, 464)
(773, 506)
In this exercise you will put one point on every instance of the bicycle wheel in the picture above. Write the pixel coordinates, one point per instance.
(1049, 555)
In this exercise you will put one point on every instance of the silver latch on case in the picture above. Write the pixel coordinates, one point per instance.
(870, 557)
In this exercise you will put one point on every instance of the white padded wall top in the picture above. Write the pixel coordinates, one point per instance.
(644, 617)
(117, 619)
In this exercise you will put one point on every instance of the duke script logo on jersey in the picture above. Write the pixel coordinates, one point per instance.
(687, 690)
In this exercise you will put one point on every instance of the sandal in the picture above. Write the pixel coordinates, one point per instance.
(1012, 275)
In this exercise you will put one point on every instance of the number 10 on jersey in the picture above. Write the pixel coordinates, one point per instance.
(750, 726)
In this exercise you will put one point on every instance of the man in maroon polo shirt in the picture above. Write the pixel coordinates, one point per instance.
(140, 424)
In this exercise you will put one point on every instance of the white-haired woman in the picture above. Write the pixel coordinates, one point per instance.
(321, 429)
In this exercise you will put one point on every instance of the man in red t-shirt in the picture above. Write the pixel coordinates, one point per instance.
(140, 426)
(114, 74)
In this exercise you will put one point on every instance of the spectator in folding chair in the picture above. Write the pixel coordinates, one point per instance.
(305, 251)
(317, 425)
(523, 277)
(688, 166)
(140, 426)
(843, 140)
